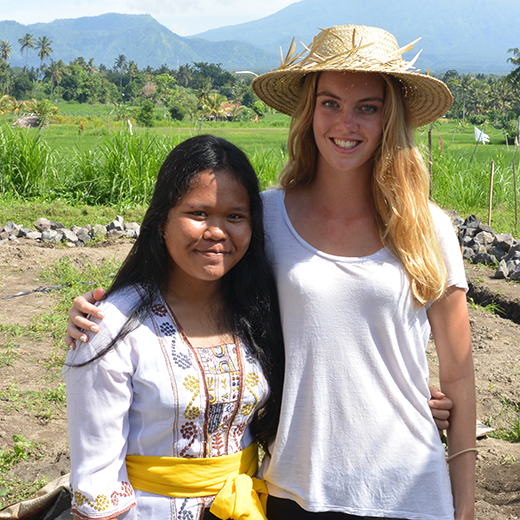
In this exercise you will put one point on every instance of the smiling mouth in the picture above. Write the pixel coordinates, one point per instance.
(346, 145)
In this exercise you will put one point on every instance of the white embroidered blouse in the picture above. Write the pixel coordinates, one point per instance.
(155, 395)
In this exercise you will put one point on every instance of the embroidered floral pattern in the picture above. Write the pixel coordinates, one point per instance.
(188, 432)
(126, 491)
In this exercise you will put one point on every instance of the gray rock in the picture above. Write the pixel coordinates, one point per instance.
(502, 270)
(504, 241)
(56, 225)
(115, 225)
(34, 235)
(515, 273)
(99, 231)
(51, 236)
(485, 238)
(497, 252)
(42, 224)
(484, 258)
(116, 233)
(12, 228)
(83, 235)
(24, 231)
(487, 229)
(468, 253)
(69, 236)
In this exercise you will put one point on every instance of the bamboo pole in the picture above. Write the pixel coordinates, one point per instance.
(491, 191)
(516, 196)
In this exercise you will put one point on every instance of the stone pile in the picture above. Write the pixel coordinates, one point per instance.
(52, 232)
(481, 245)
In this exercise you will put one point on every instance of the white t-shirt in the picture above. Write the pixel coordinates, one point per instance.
(356, 434)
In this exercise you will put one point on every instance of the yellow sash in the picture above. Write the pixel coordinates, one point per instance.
(238, 495)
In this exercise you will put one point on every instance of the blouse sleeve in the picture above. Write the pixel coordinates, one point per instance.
(450, 248)
(99, 396)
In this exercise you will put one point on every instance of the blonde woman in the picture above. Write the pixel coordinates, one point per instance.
(365, 267)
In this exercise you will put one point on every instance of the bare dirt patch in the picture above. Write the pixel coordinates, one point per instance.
(30, 367)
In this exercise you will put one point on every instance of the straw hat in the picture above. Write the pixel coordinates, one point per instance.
(354, 48)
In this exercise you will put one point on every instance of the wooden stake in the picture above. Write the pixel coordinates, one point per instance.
(516, 197)
(491, 191)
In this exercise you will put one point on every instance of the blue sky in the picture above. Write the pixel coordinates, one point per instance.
(184, 17)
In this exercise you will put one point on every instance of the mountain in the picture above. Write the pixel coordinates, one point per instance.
(465, 35)
(139, 37)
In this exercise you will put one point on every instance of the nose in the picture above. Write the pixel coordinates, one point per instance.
(349, 119)
(215, 230)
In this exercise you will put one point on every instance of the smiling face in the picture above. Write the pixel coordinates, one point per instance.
(209, 230)
(348, 120)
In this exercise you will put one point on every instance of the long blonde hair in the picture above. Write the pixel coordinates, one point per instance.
(400, 186)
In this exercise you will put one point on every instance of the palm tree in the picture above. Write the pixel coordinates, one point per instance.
(26, 42)
(45, 49)
(132, 70)
(5, 50)
(500, 95)
(203, 96)
(56, 71)
(120, 64)
(514, 75)
(90, 67)
(463, 88)
(184, 75)
(5, 54)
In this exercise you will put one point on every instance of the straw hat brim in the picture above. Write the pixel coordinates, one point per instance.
(426, 98)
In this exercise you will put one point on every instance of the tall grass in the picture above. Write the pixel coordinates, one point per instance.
(28, 167)
(119, 169)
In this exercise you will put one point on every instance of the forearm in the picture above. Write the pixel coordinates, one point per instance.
(461, 436)
(450, 327)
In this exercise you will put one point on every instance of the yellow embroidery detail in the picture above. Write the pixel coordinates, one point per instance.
(100, 504)
(251, 380)
(192, 385)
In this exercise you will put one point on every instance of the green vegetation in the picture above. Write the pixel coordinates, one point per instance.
(507, 422)
(89, 177)
(17, 489)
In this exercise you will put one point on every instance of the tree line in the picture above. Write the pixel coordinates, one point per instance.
(206, 91)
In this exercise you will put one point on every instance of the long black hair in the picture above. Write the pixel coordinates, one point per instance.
(248, 290)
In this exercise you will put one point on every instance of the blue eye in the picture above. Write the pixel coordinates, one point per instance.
(369, 109)
(329, 103)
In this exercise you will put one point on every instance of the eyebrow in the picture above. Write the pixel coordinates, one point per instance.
(204, 207)
(334, 96)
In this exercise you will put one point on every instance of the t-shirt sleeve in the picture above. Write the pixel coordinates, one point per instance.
(99, 396)
(450, 249)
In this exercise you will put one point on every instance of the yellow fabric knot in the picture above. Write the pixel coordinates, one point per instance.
(238, 495)
(241, 498)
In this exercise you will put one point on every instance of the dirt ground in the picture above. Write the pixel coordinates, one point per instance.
(496, 348)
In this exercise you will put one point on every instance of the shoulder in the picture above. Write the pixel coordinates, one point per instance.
(117, 307)
(271, 195)
(442, 221)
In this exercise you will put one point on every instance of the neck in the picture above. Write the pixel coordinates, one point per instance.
(347, 192)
